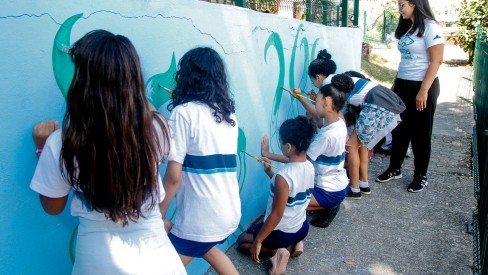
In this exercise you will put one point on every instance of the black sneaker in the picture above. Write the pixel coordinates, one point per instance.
(324, 218)
(365, 190)
(418, 184)
(353, 195)
(389, 175)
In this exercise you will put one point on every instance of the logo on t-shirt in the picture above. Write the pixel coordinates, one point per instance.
(436, 37)
(406, 54)
(405, 41)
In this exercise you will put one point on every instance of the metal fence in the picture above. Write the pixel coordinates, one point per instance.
(480, 154)
(379, 29)
(328, 12)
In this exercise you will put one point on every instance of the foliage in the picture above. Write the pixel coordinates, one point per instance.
(472, 14)
(376, 68)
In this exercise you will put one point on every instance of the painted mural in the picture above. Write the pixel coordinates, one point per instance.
(264, 54)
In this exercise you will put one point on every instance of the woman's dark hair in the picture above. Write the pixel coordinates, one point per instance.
(322, 65)
(201, 77)
(338, 97)
(343, 83)
(356, 74)
(297, 131)
(421, 11)
(110, 147)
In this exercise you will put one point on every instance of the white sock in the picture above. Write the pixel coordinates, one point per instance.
(355, 190)
(363, 184)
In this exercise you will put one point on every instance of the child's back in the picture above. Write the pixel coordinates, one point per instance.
(299, 176)
(208, 198)
(328, 153)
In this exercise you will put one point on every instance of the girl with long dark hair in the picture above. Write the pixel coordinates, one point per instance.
(108, 153)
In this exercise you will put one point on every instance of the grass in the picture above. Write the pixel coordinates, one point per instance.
(377, 68)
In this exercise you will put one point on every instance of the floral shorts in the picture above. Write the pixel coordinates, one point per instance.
(374, 123)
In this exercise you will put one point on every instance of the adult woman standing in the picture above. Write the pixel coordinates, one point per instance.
(422, 47)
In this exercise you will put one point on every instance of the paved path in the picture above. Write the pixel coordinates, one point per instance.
(392, 231)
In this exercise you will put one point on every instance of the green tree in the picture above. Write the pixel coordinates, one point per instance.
(472, 14)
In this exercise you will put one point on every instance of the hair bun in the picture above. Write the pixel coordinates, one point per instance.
(343, 83)
(323, 54)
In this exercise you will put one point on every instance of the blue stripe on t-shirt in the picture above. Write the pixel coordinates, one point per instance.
(210, 164)
(329, 161)
(358, 87)
(299, 199)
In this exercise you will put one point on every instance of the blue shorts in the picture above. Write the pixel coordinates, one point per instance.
(329, 199)
(192, 248)
(278, 238)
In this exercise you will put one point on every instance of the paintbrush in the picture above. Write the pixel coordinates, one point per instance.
(299, 95)
(260, 160)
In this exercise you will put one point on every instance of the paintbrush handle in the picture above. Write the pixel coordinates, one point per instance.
(260, 160)
(299, 95)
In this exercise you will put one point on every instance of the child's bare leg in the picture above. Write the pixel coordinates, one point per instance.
(244, 242)
(353, 160)
(219, 261)
(364, 163)
(314, 205)
(185, 259)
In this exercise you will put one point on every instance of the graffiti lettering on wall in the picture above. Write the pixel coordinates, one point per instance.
(274, 40)
(63, 69)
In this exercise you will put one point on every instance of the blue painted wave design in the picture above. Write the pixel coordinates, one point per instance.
(211, 164)
(330, 161)
(299, 199)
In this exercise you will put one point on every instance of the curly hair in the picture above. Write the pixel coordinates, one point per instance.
(201, 77)
(356, 74)
(110, 146)
(343, 83)
(298, 131)
(338, 97)
(323, 64)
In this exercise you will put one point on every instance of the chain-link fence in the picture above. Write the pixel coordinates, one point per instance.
(480, 153)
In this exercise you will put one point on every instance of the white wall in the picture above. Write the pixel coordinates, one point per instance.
(262, 52)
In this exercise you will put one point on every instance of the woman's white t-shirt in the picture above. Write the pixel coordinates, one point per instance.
(414, 54)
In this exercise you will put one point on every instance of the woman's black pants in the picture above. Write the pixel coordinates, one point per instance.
(416, 126)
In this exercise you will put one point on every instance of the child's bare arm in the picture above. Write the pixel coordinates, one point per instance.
(279, 204)
(266, 153)
(171, 182)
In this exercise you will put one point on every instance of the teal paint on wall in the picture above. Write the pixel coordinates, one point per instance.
(63, 66)
(155, 85)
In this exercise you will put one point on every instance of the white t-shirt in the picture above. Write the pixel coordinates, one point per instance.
(361, 89)
(415, 56)
(104, 247)
(208, 207)
(327, 153)
(48, 181)
(300, 178)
